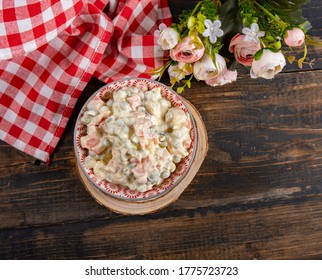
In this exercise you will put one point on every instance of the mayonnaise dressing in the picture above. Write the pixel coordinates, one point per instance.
(136, 138)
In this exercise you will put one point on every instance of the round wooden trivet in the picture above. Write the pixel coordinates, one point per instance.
(129, 207)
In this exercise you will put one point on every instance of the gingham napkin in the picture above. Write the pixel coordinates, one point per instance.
(49, 49)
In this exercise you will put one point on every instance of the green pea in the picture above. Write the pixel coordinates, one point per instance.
(127, 143)
(176, 159)
(111, 129)
(92, 113)
(109, 119)
(165, 174)
(163, 144)
(103, 109)
(153, 176)
(141, 109)
(172, 167)
(85, 120)
(153, 129)
(176, 145)
(120, 122)
(127, 171)
(105, 142)
(125, 106)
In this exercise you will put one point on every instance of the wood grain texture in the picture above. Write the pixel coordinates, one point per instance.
(257, 195)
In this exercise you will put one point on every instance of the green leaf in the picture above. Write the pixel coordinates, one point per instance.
(200, 27)
(289, 10)
(209, 8)
(230, 21)
(309, 40)
(191, 22)
(291, 59)
(201, 17)
(285, 6)
(180, 89)
(272, 50)
(258, 55)
(269, 38)
(300, 62)
(275, 46)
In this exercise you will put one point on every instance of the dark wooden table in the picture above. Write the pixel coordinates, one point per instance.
(258, 194)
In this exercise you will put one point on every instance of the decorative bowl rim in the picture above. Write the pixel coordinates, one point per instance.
(123, 193)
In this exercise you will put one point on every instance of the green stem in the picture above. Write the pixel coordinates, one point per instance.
(280, 22)
(304, 52)
(164, 68)
(309, 40)
(262, 44)
(196, 8)
(188, 81)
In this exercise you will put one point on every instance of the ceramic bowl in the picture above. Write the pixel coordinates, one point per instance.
(121, 192)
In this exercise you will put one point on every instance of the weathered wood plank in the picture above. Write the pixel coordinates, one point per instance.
(259, 232)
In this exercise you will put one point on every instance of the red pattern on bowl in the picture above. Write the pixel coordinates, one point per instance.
(119, 191)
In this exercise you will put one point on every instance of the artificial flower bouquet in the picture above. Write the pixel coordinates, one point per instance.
(259, 34)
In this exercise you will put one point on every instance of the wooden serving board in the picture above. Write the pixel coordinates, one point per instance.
(129, 207)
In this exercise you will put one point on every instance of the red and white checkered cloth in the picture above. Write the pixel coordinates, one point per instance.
(49, 50)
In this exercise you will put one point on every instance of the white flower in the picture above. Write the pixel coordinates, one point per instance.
(179, 71)
(168, 37)
(269, 64)
(213, 30)
(206, 68)
(253, 33)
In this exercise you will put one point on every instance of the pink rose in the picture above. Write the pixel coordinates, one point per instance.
(189, 50)
(206, 68)
(243, 50)
(294, 37)
(223, 78)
